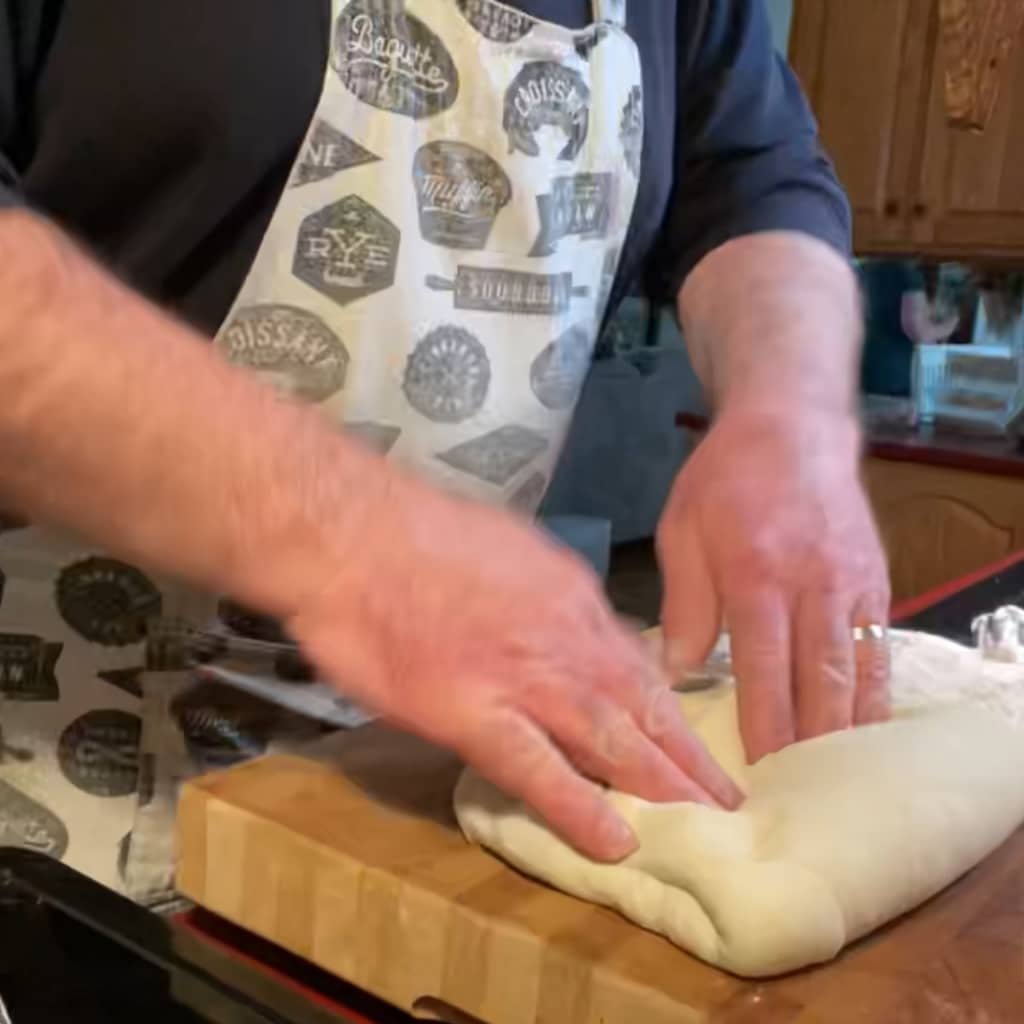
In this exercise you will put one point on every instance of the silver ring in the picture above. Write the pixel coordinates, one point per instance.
(874, 633)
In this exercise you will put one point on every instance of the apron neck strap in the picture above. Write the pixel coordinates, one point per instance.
(609, 12)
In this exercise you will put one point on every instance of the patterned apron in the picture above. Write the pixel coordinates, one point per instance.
(433, 279)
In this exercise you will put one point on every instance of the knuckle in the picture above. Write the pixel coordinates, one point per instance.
(836, 673)
(661, 715)
(614, 738)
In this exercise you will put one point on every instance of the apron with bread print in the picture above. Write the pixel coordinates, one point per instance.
(438, 268)
(433, 280)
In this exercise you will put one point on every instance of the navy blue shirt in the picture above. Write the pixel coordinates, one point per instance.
(162, 132)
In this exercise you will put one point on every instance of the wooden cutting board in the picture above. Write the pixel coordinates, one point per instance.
(355, 863)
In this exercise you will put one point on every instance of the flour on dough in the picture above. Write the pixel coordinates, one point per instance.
(838, 835)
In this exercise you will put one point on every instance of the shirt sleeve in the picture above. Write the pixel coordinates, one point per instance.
(748, 157)
(21, 24)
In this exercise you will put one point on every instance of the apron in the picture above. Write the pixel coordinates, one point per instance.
(433, 280)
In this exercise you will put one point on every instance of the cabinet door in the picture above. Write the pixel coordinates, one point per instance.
(865, 65)
(971, 189)
(940, 524)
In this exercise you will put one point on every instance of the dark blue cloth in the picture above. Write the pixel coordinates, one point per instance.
(162, 132)
(888, 350)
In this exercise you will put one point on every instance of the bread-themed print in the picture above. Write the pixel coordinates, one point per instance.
(389, 59)
(496, 21)
(557, 374)
(28, 825)
(347, 250)
(546, 93)
(588, 40)
(578, 205)
(448, 375)
(608, 269)
(222, 726)
(631, 130)
(28, 667)
(98, 752)
(460, 190)
(497, 456)
(128, 680)
(496, 290)
(326, 152)
(527, 496)
(381, 437)
(292, 348)
(107, 602)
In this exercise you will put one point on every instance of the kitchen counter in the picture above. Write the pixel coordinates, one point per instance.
(196, 968)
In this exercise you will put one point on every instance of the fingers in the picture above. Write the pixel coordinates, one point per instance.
(631, 682)
(516, 756)
(825, 669)
(872, 662)
(759, 626)
(664, 723)
(691, 614)
(636, 741)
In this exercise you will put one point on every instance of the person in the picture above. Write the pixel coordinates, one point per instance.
(899, 317)
(402, 224)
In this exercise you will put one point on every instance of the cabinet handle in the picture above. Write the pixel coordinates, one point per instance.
(920, 210)
(893, 208)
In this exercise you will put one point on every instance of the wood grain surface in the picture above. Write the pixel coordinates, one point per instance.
(354, 862)
(978, 37)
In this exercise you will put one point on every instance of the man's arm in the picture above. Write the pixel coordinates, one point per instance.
(774, 321)
(126, 424)
(453, 620)
(768, 528)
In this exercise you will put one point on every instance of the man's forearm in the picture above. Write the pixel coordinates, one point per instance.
(126, 426)
(774, 320)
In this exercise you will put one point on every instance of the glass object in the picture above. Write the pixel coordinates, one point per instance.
(976, 388)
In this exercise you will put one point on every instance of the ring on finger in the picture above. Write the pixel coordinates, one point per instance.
(874, 633)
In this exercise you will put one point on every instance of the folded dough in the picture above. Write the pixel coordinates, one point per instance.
(838, 835)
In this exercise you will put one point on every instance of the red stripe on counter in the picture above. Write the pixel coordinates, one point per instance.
(186, 920)
(906, 609)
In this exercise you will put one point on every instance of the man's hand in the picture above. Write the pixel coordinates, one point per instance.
(455, 621)
(465, 626)
(768, 529)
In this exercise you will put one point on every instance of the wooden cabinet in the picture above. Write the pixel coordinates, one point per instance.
(865, 67)
(939, 524)
(970, 188)
(874, 73)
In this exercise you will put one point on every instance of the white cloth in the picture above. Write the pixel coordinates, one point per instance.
(436, 274)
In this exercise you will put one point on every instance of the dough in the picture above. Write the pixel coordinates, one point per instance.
(838, 835)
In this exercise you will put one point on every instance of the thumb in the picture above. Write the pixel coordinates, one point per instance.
(691, 612)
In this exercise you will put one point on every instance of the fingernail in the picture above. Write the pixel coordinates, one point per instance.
(617, 838)
(674, 656)
(730, 795)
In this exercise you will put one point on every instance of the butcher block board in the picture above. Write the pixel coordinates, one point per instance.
(354, 862)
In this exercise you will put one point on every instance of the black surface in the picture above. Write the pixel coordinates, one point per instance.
(952, 616)
(71, 950)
